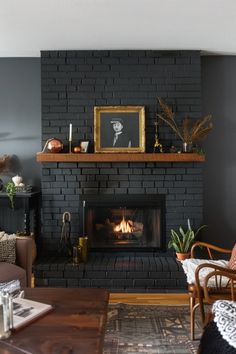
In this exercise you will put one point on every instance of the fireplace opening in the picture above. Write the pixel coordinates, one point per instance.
(134, 222)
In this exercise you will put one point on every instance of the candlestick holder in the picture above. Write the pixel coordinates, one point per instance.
(157, 147)
(70, 147)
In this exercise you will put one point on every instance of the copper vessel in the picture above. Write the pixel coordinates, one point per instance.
(54, 145)
(77, 149)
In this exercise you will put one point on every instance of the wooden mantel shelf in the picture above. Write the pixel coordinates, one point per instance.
(119, 157)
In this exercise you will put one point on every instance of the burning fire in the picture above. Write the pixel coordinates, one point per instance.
(124, 226)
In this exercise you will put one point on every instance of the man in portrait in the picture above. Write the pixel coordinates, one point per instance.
(120, 136)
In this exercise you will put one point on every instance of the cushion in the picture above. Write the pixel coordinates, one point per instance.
(232, 261)
(7, 247)
(190, 265)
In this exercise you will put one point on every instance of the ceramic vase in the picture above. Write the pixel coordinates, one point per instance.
(17, 180)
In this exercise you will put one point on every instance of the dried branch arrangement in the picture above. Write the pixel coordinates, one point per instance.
(190, 131)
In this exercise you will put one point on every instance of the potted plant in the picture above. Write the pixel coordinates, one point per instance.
(11, 191)
(183, 241)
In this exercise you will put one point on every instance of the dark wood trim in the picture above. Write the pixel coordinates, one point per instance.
(120, 157)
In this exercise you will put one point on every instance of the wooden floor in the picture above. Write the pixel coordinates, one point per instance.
(145, 299)
(151, 299)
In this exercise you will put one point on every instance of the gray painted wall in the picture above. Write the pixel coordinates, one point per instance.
(219, 85)
(20, 114)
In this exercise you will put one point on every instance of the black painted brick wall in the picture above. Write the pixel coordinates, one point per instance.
(73, 82)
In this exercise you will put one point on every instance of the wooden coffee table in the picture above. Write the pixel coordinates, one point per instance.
(76, 324)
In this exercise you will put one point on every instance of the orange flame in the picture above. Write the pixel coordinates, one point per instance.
(123, 227)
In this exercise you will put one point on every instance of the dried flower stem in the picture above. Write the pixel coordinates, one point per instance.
(191, 130)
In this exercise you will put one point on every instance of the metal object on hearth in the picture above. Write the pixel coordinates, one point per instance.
(65, 247)
(83, 243)
(76, 254)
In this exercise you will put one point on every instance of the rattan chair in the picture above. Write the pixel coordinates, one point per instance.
(200, 292)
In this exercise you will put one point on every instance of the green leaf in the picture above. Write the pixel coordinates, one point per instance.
(183, 240)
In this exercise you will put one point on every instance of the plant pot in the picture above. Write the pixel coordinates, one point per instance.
(182, 256)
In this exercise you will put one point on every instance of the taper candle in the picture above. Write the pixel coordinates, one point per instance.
(70, 132)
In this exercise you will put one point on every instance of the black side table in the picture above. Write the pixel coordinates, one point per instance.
(28, 201)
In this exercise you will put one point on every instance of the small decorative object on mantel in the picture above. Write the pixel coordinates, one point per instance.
(173, 149)
(183, 241)
(190, 131)
(70, 138)
(77, 149)
(84, 146)
(53, 145)
(157, 147)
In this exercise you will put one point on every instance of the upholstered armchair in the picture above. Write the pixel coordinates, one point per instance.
(212, 280)
(22, 269)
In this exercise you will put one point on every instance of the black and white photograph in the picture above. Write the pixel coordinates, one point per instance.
(119, 129)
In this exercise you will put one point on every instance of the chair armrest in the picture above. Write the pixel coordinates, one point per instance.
(24, 256)
(217, 271)
(229, 288)
(209, 247)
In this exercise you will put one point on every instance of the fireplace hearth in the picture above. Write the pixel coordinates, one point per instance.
(124, 222)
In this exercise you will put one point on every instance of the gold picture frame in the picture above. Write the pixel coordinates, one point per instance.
(119, 129)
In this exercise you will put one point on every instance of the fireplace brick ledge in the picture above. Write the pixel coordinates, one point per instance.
(154, 272)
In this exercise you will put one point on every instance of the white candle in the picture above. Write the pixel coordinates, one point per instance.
(70, 132)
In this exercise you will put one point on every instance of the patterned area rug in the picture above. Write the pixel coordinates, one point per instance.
(150, 329)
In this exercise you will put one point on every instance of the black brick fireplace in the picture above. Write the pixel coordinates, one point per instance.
(73, 82)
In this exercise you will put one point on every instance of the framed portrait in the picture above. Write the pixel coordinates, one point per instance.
(119, 129)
